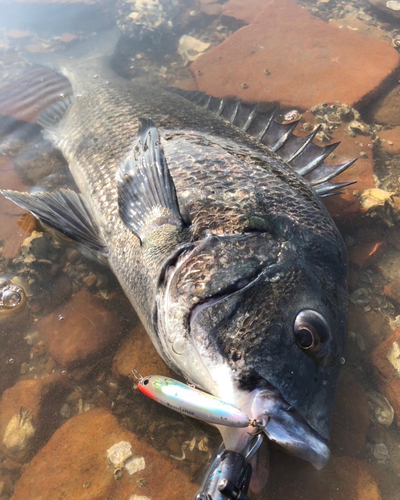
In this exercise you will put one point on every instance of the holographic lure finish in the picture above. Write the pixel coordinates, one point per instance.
(192, 402)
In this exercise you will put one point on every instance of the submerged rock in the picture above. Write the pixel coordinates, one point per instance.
(27, 414)
(76, 332)
(79, 461)
(308, 61)
(137, 351)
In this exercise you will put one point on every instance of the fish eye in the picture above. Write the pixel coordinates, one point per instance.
(310, 329)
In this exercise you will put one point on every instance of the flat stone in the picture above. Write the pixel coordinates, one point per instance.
(75, 464)
(76, 332)
(325, 64)
(386, 361)
(27, 414)
(385, 109)
(137, 351)
(350, 419)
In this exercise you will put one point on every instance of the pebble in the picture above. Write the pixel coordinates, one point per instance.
(338, 56)
(87, 329)
(381, 408)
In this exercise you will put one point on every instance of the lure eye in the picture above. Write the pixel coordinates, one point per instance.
(146, 381)
(310, 329)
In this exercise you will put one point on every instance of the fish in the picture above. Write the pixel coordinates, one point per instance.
(210, 214)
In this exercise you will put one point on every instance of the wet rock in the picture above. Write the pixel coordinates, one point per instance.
(28, 414)
(351, 418)
(137, 351)
(76, 332)
(76, 464)
(344, 478)
(390, 140)
(386, 361)
(385, 109)
(390, 7)
(237, 66)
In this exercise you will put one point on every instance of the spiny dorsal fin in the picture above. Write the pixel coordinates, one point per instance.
(146, 191)
(66, 212)
(306, 158)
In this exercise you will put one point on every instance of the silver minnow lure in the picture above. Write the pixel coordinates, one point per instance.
(193, 402)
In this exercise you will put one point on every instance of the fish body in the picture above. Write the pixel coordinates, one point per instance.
(227, 254)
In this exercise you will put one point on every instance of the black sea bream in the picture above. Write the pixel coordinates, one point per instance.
(209, 214)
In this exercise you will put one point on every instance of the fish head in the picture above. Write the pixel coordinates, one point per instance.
(266, 318)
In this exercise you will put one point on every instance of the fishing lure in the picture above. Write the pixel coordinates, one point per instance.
(193, 402)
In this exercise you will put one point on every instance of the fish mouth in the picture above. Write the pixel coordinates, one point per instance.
(285, 427)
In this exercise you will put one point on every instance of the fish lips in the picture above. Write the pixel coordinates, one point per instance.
(285, 427)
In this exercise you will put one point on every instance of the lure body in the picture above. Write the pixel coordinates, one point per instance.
(193, 402)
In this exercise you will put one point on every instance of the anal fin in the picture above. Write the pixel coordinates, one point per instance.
(66, 212)
(146, 191)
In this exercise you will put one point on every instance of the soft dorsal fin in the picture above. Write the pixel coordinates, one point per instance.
(146, 191)
(306, 158)
(66, 212)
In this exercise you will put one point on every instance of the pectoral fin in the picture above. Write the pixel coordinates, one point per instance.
(66, 212)
(146, 191)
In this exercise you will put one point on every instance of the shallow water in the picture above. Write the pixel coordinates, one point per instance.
(69, 343)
